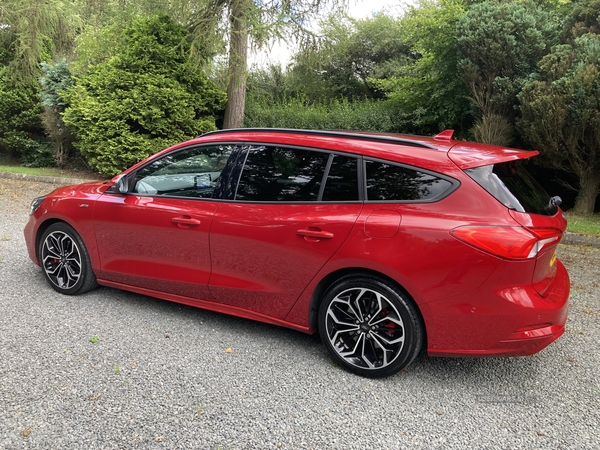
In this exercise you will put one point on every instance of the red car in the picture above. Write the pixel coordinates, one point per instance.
(384, 244)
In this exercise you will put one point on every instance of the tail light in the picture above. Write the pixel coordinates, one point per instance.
(515, 243)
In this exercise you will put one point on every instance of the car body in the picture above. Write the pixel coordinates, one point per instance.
(385, 244)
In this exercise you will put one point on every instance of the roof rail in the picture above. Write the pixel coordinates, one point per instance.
(363, 135)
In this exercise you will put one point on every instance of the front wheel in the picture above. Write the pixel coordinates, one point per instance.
(65, 260)
(370, 326)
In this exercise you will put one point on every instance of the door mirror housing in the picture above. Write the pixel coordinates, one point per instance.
(119, 184)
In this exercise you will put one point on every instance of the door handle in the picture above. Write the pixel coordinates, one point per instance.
(314, 233)
(185, 222)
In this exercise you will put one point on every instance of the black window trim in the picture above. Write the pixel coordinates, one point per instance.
(454, 182)
(245, 151)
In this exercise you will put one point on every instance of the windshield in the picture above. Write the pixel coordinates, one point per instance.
(514, 187)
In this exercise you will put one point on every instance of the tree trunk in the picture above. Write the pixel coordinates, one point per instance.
(589, 188)
(238, 61)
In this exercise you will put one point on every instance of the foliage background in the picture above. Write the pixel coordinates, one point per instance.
(146, 97)
(110, 82)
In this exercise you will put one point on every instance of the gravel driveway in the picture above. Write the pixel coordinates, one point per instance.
(115, 370)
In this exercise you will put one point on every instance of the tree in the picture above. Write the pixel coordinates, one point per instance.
(429, 91)
(30, 31)
(500, 44)
(239, 15)
(148, 96)
(56, 78)
(261, 21)
(35, 30)
(561, 114)
(584, 18)
(19, 115)
(350, 55)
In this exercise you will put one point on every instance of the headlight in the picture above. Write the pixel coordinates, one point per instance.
(35, 203)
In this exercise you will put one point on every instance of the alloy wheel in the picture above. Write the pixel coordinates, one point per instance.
(61, 259)
(365, 328)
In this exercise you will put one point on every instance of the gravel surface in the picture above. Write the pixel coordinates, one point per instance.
(115, 370)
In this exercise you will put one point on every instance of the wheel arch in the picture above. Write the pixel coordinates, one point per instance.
(41, 230)
(82, 269)
(333, 277)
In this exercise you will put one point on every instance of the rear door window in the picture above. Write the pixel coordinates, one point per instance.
(279, 174)
(286, 174)
(342, 180)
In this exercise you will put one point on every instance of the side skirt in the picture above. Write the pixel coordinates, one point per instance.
(211, 306)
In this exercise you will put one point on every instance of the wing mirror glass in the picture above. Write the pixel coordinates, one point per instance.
(123, 185)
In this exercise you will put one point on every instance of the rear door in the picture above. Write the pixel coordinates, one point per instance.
(290, 211)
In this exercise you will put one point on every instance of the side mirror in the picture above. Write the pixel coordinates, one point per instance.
(119, 184)
(123, 185)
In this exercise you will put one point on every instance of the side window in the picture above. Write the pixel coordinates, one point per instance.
(342, 180)
(192, 172)
(281, 174)
(386, 181)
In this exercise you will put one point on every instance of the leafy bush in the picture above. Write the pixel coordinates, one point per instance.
(39, 153)
(145, 98)
(430, 91)
(19, 116)
(493, 129)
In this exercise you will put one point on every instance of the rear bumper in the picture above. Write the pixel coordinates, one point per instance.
(496, 320)
(510, 347)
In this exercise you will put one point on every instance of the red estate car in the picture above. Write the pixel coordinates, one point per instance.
(385, 244)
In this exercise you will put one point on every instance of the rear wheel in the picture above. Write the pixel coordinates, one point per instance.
(370, 326)
(65, 260)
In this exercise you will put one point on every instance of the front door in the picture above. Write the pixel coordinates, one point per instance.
(157, 236)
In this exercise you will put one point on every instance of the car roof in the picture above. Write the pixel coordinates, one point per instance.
(439, 153)
(464, 154)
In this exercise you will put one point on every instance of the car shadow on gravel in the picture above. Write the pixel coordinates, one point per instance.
(488, 373)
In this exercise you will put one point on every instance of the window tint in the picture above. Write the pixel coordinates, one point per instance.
(193, 172)
(387, 181)
(342, 180)
(514, 187)
(273, 174)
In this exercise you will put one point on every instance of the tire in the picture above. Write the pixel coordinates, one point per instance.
(65, 260)
(370, 326)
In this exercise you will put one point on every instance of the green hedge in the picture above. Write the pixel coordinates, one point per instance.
(337, 115)
(145, 98)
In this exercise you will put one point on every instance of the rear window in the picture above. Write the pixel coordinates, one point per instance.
(514, 187)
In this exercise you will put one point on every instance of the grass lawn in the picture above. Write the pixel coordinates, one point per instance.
(584, 224)
(51, 172)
